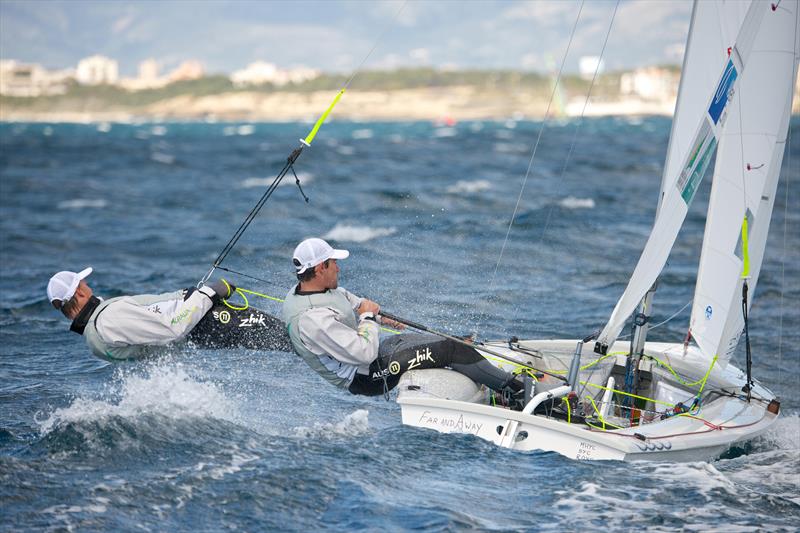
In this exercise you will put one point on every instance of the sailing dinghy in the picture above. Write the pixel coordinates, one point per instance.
(642, 400)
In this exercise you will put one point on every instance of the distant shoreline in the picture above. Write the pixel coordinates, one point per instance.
(460, 103)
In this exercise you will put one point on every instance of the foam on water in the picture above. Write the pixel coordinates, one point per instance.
(166, 390)
(784, 433)
(236, 459)
(354, 424)
(469, 187)
(364, 133)
(165, 159)
(346, 233)
(445, 132)
(82, 203)
(570, 202)
(510, 148)
(253, 182)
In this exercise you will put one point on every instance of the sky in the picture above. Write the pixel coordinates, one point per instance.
(336, 36)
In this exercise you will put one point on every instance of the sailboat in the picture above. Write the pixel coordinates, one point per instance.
(602, 398)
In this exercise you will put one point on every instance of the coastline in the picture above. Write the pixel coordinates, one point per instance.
(457, 103)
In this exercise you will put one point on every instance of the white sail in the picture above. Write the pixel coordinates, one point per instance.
(745, 182)
(710, 28)
(713, 29)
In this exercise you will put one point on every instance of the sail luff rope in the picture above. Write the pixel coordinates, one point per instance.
(535, 147)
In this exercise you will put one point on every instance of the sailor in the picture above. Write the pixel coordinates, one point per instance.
(337, 333)
(129, 327)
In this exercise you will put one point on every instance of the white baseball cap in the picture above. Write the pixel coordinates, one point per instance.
(62, 286)
(312, 252)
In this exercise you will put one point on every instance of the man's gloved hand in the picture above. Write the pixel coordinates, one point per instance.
(368, 306)
(223, 288)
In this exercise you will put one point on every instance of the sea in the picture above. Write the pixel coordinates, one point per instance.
(213, 440)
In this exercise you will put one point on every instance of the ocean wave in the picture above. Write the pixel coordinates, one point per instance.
(217, 470)
(510, 148)
(364, 133)
(570, 202)
(253, 182)
(445, 132)
(82, 203)
(245, 129)
(354, 424)
(469, 187)
(345, 233)
(165, 159)
(166, 391)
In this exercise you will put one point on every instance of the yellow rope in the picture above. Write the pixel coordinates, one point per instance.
(242, 292)
(569, 409)
(588, 384)
(524, 370)
(518, 367)
(313, 133)
(589, 365)
(701, 381)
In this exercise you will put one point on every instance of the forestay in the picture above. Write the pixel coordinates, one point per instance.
(701, 126)
(745, 181)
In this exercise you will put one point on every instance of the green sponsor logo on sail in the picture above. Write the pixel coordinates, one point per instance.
(690, 188)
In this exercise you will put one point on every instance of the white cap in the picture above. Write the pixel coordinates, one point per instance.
(62, 286)
(312, 252)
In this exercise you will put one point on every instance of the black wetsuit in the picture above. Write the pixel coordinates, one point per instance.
(409, 351)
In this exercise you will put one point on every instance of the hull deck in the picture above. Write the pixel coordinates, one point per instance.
(448, 402)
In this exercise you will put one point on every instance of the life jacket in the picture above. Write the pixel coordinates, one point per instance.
(96, 344)
(336, 372)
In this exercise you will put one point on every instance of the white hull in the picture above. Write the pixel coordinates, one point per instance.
(720, 422)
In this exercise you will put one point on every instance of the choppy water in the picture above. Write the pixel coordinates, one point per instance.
(205, 440)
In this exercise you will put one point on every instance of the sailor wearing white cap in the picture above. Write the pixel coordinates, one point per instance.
(128, 327)
(337, 333)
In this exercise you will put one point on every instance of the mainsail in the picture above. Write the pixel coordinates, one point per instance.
(745, 181)
(701, 124)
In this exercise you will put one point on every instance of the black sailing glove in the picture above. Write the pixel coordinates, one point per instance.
(223, 289)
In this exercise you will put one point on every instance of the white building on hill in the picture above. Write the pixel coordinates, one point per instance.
(651, 83)
(261, 72)
(188, 70)
(21, 79)
(97, 70)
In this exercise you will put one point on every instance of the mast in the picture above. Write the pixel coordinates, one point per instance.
(641, 321)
